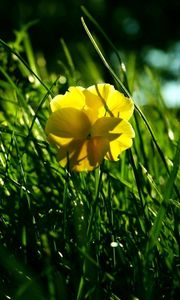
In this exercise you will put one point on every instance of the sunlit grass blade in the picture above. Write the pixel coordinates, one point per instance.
(30, 55)
(121, 64)
(103, 58)
(68, 57)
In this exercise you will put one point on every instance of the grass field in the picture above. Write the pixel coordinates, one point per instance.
(112, 233)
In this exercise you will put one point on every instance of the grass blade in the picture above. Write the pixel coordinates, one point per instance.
(157, 226)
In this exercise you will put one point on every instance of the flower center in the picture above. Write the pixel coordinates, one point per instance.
(88, 136)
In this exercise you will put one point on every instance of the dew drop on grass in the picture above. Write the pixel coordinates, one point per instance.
(171, 134)
(31, 78)
(62, 79)
(114, 244)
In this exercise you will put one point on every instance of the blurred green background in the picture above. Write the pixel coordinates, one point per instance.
(131, 24)
(150, 29)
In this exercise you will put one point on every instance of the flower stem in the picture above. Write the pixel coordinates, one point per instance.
(98, 181)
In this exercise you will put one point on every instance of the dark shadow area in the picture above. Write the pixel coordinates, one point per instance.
(131, 24)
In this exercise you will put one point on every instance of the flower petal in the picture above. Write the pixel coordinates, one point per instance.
(83, 155)
(104, 125)
(72, 98)
(119, 106)
(121, 140)
(67, 154)
(68, 123)
(97, 95)
(124, 127)
(97, 149)
(91, 114)
(75, 156)
(108, 101)
(58, 141)
(117, 146)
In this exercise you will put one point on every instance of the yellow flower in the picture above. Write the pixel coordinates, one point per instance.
(90, 124)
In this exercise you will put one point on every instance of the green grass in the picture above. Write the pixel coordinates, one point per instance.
(57, 228)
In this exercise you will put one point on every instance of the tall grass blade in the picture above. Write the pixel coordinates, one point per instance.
(122, 65)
